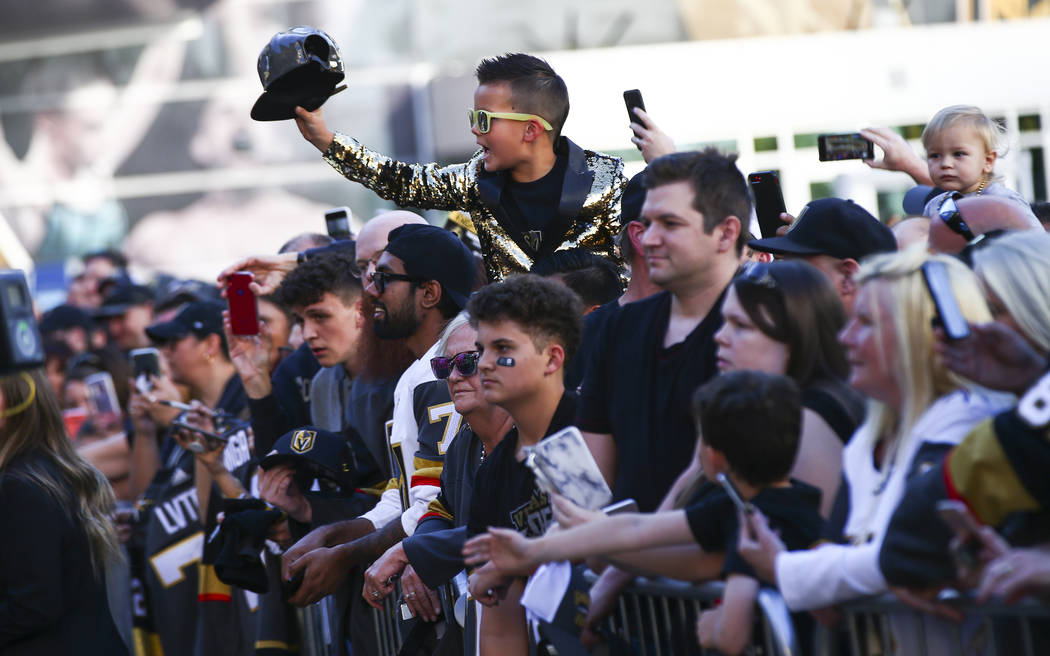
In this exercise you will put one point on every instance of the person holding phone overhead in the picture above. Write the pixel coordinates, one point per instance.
(529, 190)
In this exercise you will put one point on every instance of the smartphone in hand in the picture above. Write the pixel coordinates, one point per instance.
(244, 309)
(337, 221)
(769, 201)
(835, 147)
(949, 315)
(633, 98)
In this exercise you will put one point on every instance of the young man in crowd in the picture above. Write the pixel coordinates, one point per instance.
(665, 343)
(528, 190)
(693, 213)
(126, 311)
(422, 280)
(528, 329)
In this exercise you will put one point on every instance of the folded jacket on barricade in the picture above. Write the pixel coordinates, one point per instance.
(235, 547)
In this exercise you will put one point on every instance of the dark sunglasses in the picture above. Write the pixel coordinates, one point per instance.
(381, 278)
(466, 363)
(949, 213)
(758, 273)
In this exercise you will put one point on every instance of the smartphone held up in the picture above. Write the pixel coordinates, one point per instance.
(769, 201)
(633, 98)
(835, 147)
(244, 309)
(337, 222)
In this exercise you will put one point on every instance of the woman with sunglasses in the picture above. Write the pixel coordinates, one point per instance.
(59, 545)
(917, 410)
(433, 550)
(783, 318)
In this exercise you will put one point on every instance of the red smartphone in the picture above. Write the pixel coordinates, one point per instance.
(244, 310)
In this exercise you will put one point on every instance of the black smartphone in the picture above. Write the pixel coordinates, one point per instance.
(180, 422)
(633, 98)
(734, 496)
(769, 201)
(337, 220)
(145, 362)
(834, 147)
(949, 315)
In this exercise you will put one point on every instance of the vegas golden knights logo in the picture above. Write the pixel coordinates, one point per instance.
(303, 441)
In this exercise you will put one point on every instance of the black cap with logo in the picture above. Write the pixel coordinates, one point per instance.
(323, 454)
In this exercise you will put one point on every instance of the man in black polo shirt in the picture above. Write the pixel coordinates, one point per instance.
(651, 355)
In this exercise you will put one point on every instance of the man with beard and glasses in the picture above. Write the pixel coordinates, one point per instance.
(421, 280)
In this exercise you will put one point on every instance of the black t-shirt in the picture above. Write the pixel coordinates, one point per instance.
(508, 496)
(592, 328)
(794, 511)
(837, 404)
(640, 392)
(535, 203)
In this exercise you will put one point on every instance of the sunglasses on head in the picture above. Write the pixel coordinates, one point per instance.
(483, 119)
(381, 278)
(466, 363)
(758, 273)
(949, 213)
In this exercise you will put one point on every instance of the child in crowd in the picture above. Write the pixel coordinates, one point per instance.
(529, 190)
(749, 429)
(962, 144)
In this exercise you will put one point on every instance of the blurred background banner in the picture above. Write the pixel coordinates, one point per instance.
(125, 122)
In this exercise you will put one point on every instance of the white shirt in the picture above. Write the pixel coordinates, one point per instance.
(424, 423)
(832, 573)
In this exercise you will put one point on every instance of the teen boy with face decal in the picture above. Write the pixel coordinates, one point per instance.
(529, 191)
(528, 329)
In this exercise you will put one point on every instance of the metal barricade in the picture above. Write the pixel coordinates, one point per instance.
(388, 630)
(657, 617)
(883, 626)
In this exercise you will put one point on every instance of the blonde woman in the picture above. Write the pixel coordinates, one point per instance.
(58, 539)
(917, 410)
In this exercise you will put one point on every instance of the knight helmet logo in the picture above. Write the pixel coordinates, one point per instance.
(303, 441)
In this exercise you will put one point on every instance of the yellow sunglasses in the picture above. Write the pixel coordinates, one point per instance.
(483, 119)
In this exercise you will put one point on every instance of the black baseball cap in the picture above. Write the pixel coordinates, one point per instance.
(831, 226)
(64, 317)
(323, 453)
(122, 297)
(432, 253)
(633, 198)
(201, 318)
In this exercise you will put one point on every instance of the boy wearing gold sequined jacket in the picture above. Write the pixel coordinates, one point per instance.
(529, 191)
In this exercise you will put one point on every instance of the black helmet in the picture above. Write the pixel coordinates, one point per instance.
(300, 66)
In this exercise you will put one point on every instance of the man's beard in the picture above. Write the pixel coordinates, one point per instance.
(397, 323)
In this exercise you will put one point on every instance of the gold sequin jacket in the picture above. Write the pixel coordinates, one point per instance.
(587, 216)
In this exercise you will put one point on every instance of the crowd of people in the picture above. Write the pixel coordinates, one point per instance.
(370, 441)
